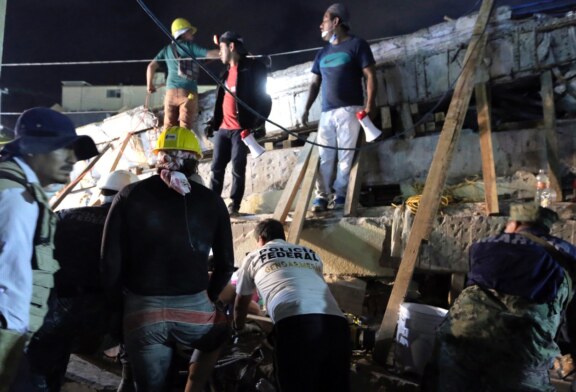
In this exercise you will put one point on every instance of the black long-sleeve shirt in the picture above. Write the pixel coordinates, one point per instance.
(156, 241)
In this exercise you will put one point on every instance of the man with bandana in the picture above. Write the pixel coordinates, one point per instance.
(157, 239)
(338, 70)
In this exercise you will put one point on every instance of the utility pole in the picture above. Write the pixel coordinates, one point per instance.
(2, 28)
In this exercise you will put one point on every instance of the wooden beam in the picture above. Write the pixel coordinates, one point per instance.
(547, 93)
(304, 198)
(406, 119)
(64, 192)
(355, 180)
(486, 149)
(426, 214)
(293, 184)
(121, 151)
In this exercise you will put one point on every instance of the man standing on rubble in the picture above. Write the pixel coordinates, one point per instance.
(311, 335)
(157, 239)
(179, 59)
(78, 317)
(499, 334)
(43, 152)
(339, 68)
(246, 79)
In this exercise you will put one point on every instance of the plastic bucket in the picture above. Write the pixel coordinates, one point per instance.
(415, 335)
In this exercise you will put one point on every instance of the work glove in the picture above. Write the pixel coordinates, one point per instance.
(209, 128)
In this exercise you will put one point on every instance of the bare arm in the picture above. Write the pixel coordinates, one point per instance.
(241, 304)
(369, 75)
(312, 94)
(213, 53)
(150, 71)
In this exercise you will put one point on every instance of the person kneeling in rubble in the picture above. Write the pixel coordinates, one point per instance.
(155, 251)
(499, 334)
(78, 316)
(311, 335)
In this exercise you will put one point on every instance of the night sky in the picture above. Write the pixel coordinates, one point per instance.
(80, 30)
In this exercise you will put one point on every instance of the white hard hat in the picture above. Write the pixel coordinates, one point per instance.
(117, 180)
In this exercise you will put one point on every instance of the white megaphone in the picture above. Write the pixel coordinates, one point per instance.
(255, 149)
(370, 130)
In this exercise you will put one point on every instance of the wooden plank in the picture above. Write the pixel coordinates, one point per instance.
(64, 192)
(486, 149)
(547, 93)
(355, 180)
(407, 122)
(457, 282)
(426, 214)
(304, 198)
(121, 151)
(291, 188)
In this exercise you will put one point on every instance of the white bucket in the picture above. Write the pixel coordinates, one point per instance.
(415, 335)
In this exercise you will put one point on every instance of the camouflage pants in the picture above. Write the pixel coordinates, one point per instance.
(11, 352)
(456, 368)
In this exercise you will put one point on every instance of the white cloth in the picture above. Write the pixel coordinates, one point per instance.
(18, 218)
(337, 128)
(289, 280)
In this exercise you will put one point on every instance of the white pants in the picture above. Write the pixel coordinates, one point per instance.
(337, 128)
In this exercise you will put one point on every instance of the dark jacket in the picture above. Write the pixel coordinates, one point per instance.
(77, 248)
(251, 89)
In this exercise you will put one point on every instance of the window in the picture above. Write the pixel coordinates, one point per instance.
(114, 93)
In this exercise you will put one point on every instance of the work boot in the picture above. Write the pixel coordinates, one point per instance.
(319, 204)
(233, 210)
(127, 382)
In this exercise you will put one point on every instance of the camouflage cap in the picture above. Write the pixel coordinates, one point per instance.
(533, 213)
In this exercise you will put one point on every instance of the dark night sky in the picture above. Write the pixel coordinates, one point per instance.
(82, 30)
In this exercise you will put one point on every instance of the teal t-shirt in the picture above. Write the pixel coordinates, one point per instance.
(185, 50)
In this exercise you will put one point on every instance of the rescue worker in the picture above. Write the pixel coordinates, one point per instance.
(338, 70)
(43, 152)
(312, 347)
(78, 318)
(181, 99)
(499, 333)
(246, 79)
(155, 249)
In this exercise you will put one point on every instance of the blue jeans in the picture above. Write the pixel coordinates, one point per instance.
(157, 326)
(228, 145)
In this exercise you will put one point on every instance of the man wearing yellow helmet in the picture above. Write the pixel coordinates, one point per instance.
(178, 58)
(157, 239)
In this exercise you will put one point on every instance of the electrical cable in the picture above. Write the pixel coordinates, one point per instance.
(292, 133)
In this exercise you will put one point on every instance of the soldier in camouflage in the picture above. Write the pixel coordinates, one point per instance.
(499, 334)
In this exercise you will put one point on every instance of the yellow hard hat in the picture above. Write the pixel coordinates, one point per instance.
(178, 138)
(180, 26)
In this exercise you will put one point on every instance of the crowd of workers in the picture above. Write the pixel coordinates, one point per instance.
(135, 268)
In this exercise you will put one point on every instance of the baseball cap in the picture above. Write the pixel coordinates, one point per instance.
(231, 36)
(42, 130)
(340, 10)
(533, 213)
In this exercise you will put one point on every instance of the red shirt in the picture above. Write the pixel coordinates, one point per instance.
(230, 112)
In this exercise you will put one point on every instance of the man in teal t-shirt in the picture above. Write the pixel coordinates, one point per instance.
(181, 100)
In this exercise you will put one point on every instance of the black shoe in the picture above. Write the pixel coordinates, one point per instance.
(233, 210)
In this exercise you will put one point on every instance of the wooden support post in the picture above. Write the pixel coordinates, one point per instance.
(293, 184)
(407, 122)
(425, 216)
(121, 151)
(355, 180)
(486, 150)
(64, 192)
(304, 198)
(457, 282)
(549, 109)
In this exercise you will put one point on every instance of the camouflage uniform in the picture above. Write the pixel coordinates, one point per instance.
(503, 340)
